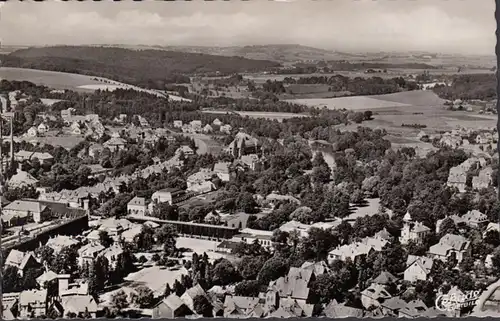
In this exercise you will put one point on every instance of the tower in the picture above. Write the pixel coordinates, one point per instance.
(406, 230)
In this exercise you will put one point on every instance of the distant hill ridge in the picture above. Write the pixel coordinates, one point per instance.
(145, 68)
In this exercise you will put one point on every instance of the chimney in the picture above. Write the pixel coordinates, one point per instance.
(63, 281)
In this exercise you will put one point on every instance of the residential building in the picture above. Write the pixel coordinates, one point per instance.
(170, 195)
(354, 250)
(22, 261)
(217, 122)
(413, 231)
(475, 219)
(47, 277)
(221, 169)
(130, 234)
(10, 303)
(483, 180)
(239, 306)
(32, 304)
(202, 187)
(450, 245)
(226, 129)
(79, 305)
(89, 252)
(29, 156)
(43, 128)
(34, 210)
(32, 132)
(414, 309)
(243, 144)
(59, 242)
(171, 307)
(137, 206)
(251, 161)
(335, 310)
(111, 254)
(385, 278)
(250, 236)
(417, 268)
(115, 144)
(114, 227)
(374, 296)
(207, 129)
(22, 179)
(177, 123)
(95, 150)
(195, 125)
(184, 149)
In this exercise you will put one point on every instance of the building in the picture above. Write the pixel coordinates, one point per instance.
(59, 242)
(115, 144)
(34, 210)
(243, 144)
(417, 268)
(32, 132)
(374, 295)
(413, 231)
(21, 261)
(354, 250)
(483, 180)
(226, 129)
(32, 304)
(222, 171)
(171, 307)
(184, 149)
(250, 236)
(111, 254)
(138, 206)
(195, 125)
(177, 123)
(475, 219)
(30, 156)
(43, 128)
(207, 129)
(450, 245)
(217, 122)
(89, 252)
(168, 195)
(250, 161)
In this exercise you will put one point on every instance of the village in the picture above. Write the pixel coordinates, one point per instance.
(265, 228)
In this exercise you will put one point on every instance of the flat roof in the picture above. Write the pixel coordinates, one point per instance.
(154, 219)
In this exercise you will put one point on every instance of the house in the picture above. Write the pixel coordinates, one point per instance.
(238, 220)
(79, 305)
(217, 122)
(239, 306)
(457, 176)
(335, 310)
(95, 150)
(202, 187)
(385, 278)
(250, 161)
(413, 309)
(34, 210)
(114, 227)
(137, 206)
(243, 144)
(43, 128)
(226, 129)
(184, 149)
(483, 180)
(29, 156)
(391, 307)
(171, 307)
(201, 176)
(111, 254)
(195, 125)
(75, 128)
(193, 292)
(374, 295)
(221, 169)
(354, 250)
(413, 231)
(130, 234)
(47, 277)
(89, 252)
(475, 219)
(115, 144)
(170, 195)
(250, 236)
(295, 285)
(10, 304)
(22, 261)
(417, 268)
(177, 123)
(22, 179)
(32, 132)
(32, 304)
(450, 245)
(60, 242)
(207, 129)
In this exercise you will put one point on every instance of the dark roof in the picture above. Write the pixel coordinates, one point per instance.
(228, 245)
(62, 208)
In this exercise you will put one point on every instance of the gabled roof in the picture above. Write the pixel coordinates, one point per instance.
(27, 206)
(78, 303)
(335, 310)
(138, 201)
(385, 278)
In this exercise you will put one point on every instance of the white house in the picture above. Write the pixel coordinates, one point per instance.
(417, 268)
(32, 132)
(137, 206)
(177, 123)
(167, 195)
(450, 245)
(43, 128)
(413, 231)
(221, 169)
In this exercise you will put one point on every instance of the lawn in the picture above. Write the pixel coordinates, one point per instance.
(156, 278)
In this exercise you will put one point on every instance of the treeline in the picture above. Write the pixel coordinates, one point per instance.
(342, 65)
(146, 68)
(467, 87)
(357, 86)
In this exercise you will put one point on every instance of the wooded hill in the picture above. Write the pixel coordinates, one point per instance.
(147, 68)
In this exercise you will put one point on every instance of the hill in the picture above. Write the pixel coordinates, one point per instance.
(144, 68)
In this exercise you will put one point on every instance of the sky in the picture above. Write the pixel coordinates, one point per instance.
(445, 26)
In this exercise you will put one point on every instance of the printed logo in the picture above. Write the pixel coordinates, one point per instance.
(454, 301)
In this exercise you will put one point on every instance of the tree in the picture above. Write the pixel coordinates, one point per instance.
(224, 273)
(119, 300)
(143, 297)
(11, 281)
(105, 239)
(273, 269)
(165, 211)
(202, 306)
(65, 261)
(248, 288)
(45, 253)
(99, 275)
(166, 235)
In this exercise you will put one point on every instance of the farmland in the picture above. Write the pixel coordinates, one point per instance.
(69, 81)
(259, 114)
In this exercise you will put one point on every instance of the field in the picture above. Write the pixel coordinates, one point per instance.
(63, 80)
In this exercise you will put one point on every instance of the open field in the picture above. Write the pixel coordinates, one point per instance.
(351, 103)
(76, 82)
